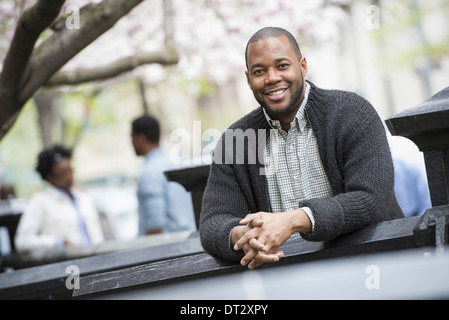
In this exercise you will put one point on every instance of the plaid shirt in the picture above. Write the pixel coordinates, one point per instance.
(294, 170)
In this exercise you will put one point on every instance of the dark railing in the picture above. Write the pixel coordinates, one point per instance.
(194, 180)
(427, 125)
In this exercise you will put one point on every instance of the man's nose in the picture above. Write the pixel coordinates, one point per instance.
(273, 75)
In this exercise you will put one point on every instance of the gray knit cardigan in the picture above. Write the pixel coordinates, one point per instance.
(356, 157)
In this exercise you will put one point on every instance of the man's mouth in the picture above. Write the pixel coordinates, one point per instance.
(276, 93)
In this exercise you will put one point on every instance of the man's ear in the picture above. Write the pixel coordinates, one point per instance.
(247, 78)
(304, 66)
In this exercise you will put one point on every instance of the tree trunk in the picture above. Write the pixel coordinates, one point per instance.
(45, 107)
(30, 25)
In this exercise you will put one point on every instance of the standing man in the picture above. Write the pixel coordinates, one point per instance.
(163, 206)
(319, 165)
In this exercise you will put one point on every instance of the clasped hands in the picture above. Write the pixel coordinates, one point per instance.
(261, 234)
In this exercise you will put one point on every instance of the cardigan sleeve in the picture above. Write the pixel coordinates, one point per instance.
(358, 156)
(224, 202)
(224, 205)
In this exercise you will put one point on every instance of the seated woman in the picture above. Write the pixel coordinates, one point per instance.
(59, 215)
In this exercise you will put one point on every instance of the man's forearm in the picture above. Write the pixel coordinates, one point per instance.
(299, 221)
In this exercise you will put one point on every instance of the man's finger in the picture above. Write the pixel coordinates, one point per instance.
(253, 219)
(250, 254)
(256, 245)
(255, 223)
(248, 236)
(262, 258)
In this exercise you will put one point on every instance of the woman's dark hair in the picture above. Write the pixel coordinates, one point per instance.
(48, 157)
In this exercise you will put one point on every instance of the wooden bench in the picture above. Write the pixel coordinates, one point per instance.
(383, 237)
(404, 274)
(48, 281)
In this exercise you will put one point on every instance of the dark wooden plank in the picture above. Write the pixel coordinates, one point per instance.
(430, 117)
(46, 256)
(406, 274)
(194, 180)
(48, 281)
(382, 237)
(427, 125)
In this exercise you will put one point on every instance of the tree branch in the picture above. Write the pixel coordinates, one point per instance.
(51, 55)
(30, 25)
(163, 57)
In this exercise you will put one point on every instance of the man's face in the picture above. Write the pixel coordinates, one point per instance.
(275, 76)
(138, 140)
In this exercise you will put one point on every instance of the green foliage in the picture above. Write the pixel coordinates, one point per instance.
(400, 27)
(199, 86)
(18, 152)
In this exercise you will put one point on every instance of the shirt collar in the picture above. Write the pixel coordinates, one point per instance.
(153, 153)
(300, 117)
(61, 193)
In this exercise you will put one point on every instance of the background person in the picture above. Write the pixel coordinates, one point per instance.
(410, 176)
(59, 215)
(164, 206)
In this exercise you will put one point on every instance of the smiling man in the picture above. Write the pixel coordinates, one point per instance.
(328, 167)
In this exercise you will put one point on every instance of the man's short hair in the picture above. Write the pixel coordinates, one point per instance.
(147, 125)
(48, 157)
(273, 32)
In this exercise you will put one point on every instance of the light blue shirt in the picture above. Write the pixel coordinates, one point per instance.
(411, 187)
(85, 241)
(161, 203)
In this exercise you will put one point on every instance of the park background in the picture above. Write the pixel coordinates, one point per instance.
(188, 70)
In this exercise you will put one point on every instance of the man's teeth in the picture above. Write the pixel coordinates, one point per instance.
(276, 93)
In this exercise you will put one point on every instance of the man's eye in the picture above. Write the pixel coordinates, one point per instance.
(283, 66)
(258, 72)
